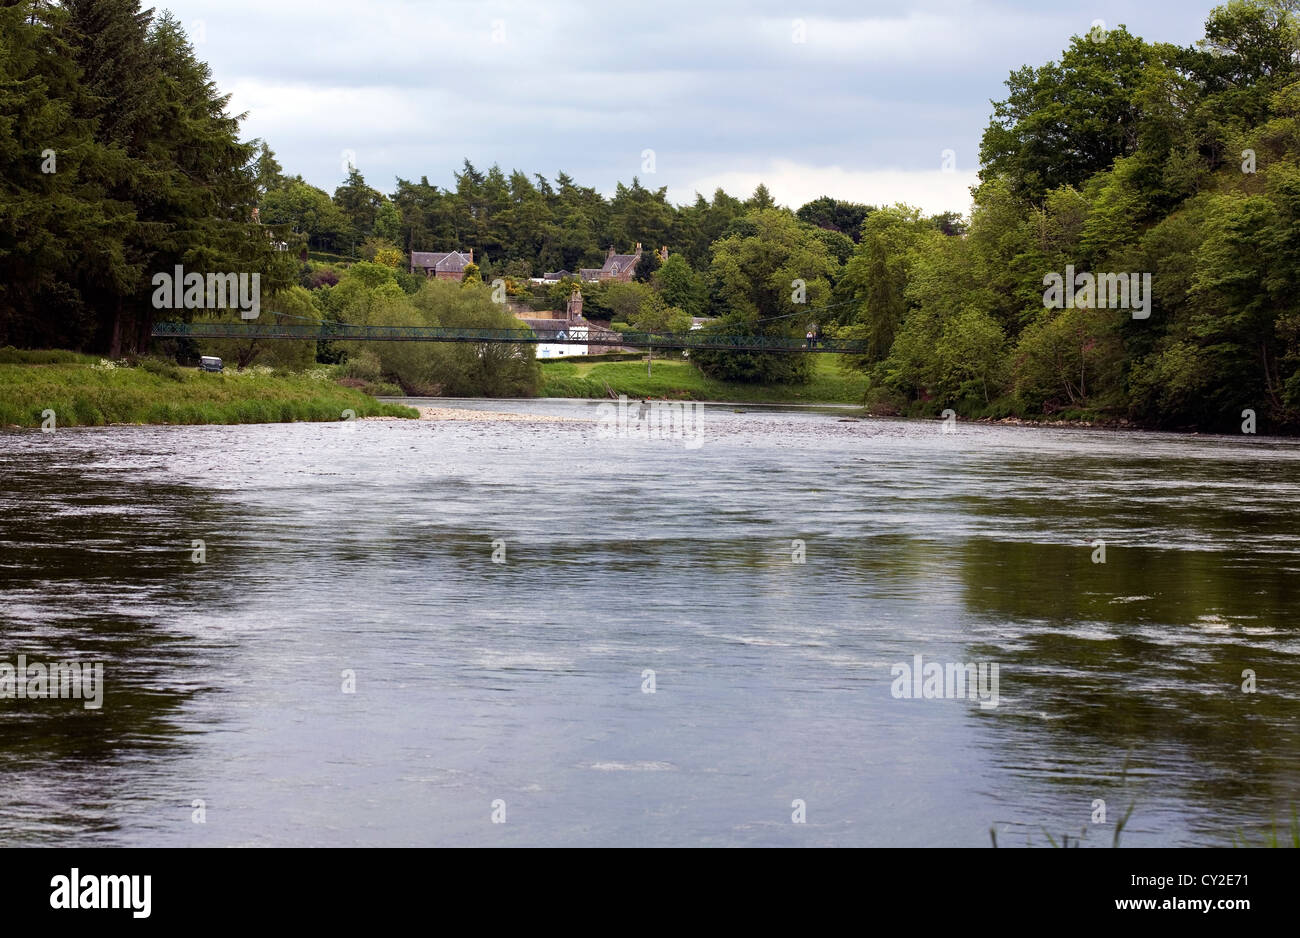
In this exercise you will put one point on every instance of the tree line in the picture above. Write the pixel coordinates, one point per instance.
(1125, 162)
(120, 160)
(1125, 158)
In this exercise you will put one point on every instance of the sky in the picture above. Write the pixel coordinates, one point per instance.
(858, 100)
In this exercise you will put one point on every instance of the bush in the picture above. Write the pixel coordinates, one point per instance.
(362, 364)
(324, 277)
(161, 368)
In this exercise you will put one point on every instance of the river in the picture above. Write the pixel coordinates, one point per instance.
(536, 633)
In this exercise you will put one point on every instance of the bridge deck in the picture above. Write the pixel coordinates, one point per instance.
(582, 336)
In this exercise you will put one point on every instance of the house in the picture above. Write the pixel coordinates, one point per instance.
(616, 267)
(555, 275)
(448, 265)
(550, 325)
(573, 325)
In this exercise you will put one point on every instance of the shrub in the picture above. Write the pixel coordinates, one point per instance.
(161, 368)
(362, 365)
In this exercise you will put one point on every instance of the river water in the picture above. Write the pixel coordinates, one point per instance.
(349, 666)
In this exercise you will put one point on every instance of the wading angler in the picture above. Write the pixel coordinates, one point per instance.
(652, 420)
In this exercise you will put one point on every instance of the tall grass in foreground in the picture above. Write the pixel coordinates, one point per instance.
(82, 394)
(50, 356)
(1066, 839)
(1272, 839)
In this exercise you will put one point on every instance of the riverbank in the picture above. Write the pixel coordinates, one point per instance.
(679, 380)
(474, 415)
(83, 391)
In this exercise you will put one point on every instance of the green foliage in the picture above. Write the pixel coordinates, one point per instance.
(309, 213)
(1125, 158)
(845, 218)
(368, 294)
(770, 280)
(364, 365)
(626, 300)
(874, 282)
(680, 286)
(12, 356)
(646, 265)
(678, 380)
(121, 161)
(1065, 121)
(157, 392)
(294, 306)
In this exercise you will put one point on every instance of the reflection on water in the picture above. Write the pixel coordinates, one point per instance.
(366, 550)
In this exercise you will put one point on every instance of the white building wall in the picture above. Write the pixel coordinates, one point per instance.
(556, 350)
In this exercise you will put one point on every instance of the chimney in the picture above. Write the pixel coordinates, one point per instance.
(610, 253)
(638, 247)
(471, 255)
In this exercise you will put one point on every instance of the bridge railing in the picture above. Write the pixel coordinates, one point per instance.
(698, 339)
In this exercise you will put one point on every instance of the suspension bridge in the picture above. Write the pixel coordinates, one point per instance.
(562, 335)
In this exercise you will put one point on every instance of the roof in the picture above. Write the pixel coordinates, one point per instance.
(555, 275)
(440, 260)
(618, 263)
(547, 326)
(552, 326)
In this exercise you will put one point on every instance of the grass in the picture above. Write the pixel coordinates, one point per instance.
(84, 394)
(679, 380)
(13, 356)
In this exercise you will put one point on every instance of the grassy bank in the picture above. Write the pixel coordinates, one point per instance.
(679, 380)
(82, 392)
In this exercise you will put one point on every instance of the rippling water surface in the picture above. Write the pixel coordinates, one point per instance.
(367, 548)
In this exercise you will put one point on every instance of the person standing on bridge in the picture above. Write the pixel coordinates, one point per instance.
(810, 336)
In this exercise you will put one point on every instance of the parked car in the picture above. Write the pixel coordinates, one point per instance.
(209, 363)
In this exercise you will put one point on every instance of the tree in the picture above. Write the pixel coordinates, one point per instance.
(359, 204)
(626, 300)
(654, 316)
(62, 245)
(836, 215)
(309, 212)
(388, 222)
(876, 277)
(680, 286)
(771, 282)
(1065, 121)
(761, 200)
(181, 181)
(268, 173)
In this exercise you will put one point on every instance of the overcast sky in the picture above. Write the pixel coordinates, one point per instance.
(852, 99)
